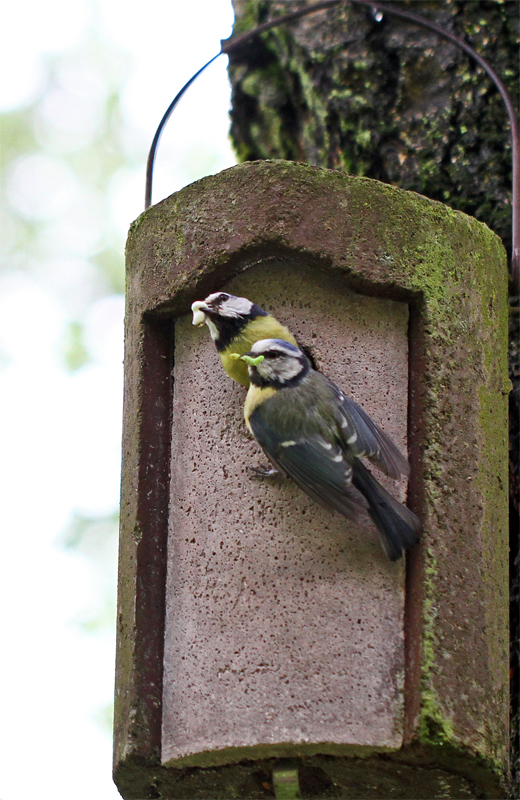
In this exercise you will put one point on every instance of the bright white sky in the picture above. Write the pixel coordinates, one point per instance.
(60, 431)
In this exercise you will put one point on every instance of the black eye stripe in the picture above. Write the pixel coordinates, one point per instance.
(217, 301)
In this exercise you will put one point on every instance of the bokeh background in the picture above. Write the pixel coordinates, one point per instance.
(85, 83)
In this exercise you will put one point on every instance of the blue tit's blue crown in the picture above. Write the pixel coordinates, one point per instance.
(284, 364)
(275, 347)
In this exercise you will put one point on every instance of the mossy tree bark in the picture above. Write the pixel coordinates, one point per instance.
(390, 100)
(384, 99)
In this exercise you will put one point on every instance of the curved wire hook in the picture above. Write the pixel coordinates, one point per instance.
(385, 8)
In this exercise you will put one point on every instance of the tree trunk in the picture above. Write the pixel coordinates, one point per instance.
(384, 99)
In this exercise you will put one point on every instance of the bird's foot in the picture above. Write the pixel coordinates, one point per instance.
(263, 471)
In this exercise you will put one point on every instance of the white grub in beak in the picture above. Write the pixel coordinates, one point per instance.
(199, 317)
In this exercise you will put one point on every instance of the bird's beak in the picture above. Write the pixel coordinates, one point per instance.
(199, 307)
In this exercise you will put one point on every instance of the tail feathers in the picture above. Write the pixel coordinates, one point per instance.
(397, 526)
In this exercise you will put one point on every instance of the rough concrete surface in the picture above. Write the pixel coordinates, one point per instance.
(451, 273)
(284, 622)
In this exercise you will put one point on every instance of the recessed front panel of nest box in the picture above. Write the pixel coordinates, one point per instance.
(284, 622)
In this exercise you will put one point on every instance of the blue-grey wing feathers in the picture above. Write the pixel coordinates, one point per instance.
(365, 438)
(324, 460)
(316, 466)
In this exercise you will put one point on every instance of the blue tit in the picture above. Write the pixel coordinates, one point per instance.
(235, 324)
(317, 436)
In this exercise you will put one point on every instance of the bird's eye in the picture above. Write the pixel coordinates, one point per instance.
(272, 354)
(218, 300)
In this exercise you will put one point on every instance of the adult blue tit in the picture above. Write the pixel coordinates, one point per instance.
(310, 430)
(235, 324)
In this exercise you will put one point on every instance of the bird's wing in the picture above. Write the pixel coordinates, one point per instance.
(315, 464)
(364, 438)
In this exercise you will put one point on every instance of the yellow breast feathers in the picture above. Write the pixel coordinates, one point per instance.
(255, 397)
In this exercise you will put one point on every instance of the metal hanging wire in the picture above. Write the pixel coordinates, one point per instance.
(378, 9)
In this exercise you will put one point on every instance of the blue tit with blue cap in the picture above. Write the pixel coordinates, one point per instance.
(311, 431)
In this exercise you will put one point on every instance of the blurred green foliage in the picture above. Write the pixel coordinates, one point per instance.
(59, 157)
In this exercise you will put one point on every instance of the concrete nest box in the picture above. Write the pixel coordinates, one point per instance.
(259, 634)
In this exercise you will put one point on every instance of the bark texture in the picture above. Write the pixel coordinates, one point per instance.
(384, 99)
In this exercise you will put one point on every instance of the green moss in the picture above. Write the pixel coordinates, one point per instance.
(434, 728)
(248, 18)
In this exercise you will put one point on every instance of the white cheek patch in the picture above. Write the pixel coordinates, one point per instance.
(282, 372)
(213, 330)
(236, 307)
